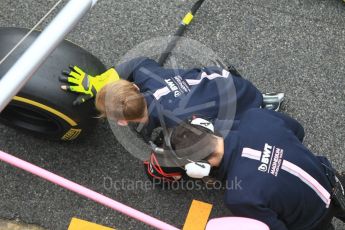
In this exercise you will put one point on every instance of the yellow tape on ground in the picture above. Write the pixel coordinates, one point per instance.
(198, 215)
(77, 224)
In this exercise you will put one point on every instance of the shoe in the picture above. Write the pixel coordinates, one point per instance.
(341, 177)
(272, 101)
(234, 71)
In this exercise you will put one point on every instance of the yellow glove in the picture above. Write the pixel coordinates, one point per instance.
(80, 82)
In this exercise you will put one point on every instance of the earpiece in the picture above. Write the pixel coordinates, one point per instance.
(198, 170)
(203, 123)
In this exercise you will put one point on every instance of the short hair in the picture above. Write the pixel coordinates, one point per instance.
(121, 100)
(193, 142)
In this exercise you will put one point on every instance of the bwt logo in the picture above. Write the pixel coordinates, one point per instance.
(265, 158)
(177, 93)
(171, 84)
(173, 87)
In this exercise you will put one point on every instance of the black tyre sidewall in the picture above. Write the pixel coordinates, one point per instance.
(43, 88)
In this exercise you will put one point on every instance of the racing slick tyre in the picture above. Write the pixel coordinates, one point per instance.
(41, 107)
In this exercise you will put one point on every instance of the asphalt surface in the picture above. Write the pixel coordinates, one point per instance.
(295, 46)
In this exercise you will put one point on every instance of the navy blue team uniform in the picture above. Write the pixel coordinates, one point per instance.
(282, 184)
(178, 94)
(175, 95)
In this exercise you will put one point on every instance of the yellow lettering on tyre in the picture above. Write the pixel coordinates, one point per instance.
(71, 134)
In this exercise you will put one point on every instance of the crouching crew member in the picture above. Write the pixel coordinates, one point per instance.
(282, 183)
(151, 91)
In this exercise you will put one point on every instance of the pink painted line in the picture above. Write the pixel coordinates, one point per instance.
(74, 187)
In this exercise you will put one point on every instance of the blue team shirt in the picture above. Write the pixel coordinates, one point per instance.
(177, 94)
(282, 184)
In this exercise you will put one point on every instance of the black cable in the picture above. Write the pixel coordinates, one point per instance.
(180, 31)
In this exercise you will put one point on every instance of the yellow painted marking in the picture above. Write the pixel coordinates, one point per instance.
(187, 18)
(198, 215)
(77, 224)
(47, 108)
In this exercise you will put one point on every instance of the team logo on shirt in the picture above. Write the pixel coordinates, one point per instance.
(177, 85)
(263, 167)
(177, 93)
(265, 158)
(271, 159)
(171, 84)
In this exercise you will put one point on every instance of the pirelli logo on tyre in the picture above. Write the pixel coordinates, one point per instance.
(71, 134)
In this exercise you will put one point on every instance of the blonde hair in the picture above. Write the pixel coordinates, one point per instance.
(121, 100)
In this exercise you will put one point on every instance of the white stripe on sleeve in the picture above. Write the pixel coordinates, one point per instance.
(161, 92)
(296, 171)
(251, 153)
(225, 74)
(309, 180)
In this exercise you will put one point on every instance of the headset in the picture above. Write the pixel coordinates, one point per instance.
(194, 169)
